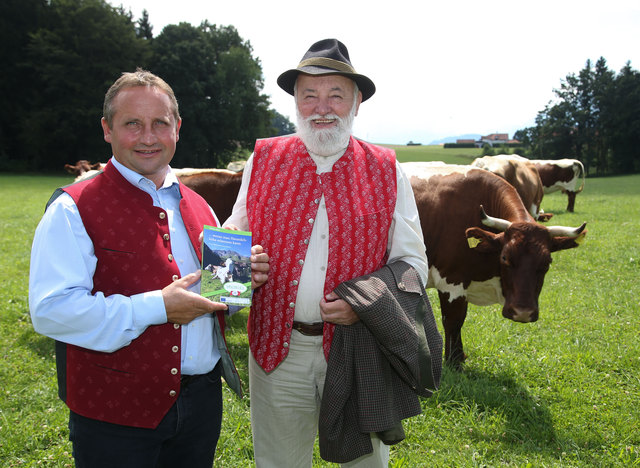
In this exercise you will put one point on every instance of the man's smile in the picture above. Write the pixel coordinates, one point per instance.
(148, 152)
(324, 121)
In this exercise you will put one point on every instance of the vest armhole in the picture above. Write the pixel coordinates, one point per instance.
(54, 196)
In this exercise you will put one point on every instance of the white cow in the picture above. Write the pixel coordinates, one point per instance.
(224, 273)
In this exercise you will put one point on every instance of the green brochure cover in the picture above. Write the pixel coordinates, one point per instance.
(226, 266)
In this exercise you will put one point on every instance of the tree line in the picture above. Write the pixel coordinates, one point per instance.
(595, 118)
(61, 56)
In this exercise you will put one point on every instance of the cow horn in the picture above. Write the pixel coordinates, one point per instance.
(563, 231)
(496, 223)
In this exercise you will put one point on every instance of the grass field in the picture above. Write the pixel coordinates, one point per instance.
(561, 392)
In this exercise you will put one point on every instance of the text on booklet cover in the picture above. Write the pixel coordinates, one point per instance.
(226, 266)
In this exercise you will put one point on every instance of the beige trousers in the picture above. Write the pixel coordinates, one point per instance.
(285, 405)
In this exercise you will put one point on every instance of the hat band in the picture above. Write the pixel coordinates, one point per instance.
(327, 63)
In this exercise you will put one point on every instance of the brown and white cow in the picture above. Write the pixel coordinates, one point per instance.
(482, 244)
(561, 174)
(83, 169)
(522, 174)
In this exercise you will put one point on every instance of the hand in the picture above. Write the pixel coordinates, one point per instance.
(335, 310)
(259, 266)
(182, 305)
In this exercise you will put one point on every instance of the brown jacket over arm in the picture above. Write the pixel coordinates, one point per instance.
(378, 366)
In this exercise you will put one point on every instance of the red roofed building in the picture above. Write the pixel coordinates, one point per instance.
(495, 139)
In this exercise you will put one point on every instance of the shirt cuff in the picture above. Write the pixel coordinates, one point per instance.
(148, 309)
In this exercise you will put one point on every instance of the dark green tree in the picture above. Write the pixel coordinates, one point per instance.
(62, 55)
(18, 19)
(577, 113)
(144, 29)
(626, 120)
(602, 85)
(218, 85)
(81, 49)
(554, 135)
(596, 119)
(282, 124)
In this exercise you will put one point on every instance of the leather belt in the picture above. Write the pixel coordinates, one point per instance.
(309, 329)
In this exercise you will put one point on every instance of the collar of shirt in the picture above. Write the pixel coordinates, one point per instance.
(170, 181)
(325, 163)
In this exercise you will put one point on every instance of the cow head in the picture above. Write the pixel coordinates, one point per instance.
(523, 249)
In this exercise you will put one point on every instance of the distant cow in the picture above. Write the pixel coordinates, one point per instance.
(477, 258)
(219, 187)
(561, 174)
(83, 169)
(522, 174)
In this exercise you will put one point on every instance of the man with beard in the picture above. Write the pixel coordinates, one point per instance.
(327, 208)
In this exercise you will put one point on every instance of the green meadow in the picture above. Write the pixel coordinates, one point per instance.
(561, 392)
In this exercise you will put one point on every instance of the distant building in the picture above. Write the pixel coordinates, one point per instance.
(495, 139)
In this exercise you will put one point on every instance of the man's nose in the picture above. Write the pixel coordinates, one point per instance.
(148, 135)
(323, 107)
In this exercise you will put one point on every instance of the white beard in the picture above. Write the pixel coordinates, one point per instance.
(328, 141)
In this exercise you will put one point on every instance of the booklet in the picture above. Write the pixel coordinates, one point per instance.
(226, 266)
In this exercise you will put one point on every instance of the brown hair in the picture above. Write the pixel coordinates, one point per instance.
(138, 78)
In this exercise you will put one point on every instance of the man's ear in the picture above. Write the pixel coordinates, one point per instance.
(358, 101)
(178, 125)
(106, 130)
(484, 241)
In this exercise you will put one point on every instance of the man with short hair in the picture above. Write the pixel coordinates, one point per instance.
(327, 208)
(115, 267)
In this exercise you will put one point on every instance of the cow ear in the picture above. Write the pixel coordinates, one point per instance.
(564, 243)
(484, 241)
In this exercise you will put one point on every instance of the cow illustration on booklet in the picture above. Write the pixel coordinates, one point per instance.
(226, 266)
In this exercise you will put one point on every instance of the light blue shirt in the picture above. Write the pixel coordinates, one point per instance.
(61, 280)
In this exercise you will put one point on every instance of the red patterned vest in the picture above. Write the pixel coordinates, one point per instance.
(135, 385)
(282, 202)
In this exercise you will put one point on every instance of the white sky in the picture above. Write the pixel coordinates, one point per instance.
(441, 68)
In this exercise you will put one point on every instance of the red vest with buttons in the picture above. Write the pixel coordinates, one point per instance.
(135, 385)
(282, 202)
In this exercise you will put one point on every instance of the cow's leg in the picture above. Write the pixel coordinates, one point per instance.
(453, 315)
(572, 201)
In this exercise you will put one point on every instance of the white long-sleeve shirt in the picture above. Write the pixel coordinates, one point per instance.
(61, 282)
(405, 238)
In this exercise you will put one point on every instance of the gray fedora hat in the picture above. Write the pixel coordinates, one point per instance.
(327, 57)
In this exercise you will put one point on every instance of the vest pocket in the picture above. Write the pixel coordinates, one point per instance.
(114, 252)
(369, 220)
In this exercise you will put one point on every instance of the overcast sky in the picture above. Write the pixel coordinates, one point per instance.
(441, 68)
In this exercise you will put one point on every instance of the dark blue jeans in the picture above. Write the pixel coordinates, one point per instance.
(186, 437)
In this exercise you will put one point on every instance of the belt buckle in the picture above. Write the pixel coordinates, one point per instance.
(309, 329)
